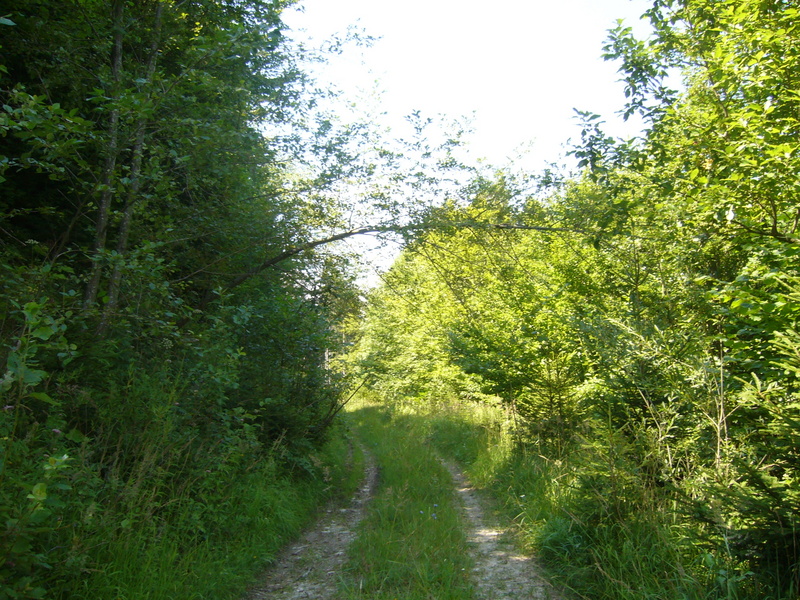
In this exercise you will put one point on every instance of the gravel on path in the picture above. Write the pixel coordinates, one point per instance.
(501, 572)
(311, 566)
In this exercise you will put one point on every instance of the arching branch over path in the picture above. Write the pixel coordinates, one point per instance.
(293, 251)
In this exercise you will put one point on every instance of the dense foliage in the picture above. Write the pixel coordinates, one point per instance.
(639, 322)
(168, 310)
(165, 323)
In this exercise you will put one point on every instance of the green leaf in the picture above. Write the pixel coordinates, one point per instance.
(44, 333)
(44, 398)
(39, 492)
(31, 310)
(76, 436)
(21, 546)
(31, 376)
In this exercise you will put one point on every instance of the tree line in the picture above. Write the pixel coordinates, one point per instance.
(164, 320)
(648, 339)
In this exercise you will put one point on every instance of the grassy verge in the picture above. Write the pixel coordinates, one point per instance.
(411, 545)
(587, 540)
(252, 519)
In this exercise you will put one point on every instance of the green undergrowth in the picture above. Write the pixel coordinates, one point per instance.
(411, 545)
(587, 540)
(247, 520)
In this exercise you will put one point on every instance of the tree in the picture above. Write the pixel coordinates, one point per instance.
(650, 311)
(139, 190)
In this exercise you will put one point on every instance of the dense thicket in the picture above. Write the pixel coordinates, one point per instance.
(149, 356)
(166, 313)
(650, 338)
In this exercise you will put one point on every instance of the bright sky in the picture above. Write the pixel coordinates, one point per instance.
(520, 66)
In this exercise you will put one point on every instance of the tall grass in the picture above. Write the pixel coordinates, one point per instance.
(603, 537)
(242, 528)
(411, 545)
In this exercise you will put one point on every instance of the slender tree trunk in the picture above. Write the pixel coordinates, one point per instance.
(132, 195)
(106, 193)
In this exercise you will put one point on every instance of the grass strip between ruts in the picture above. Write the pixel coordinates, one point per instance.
(412, 544)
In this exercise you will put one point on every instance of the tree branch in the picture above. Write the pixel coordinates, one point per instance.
(300, 248)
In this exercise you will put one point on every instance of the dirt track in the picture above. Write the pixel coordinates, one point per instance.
(500, 571)
(310, 568)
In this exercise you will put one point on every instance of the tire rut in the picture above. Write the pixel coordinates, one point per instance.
(310, 567)
(500, 572)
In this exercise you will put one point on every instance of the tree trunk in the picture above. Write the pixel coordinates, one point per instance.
(132, 195)
(106, 193)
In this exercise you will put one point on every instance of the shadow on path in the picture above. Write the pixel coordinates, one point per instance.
(311, 566)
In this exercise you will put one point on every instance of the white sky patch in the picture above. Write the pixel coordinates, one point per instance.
(518, 67)
(515, 68)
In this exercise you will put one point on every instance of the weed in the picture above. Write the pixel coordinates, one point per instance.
(411, 545)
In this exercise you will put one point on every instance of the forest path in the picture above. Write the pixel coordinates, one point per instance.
(501, 572)
(312, 567)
